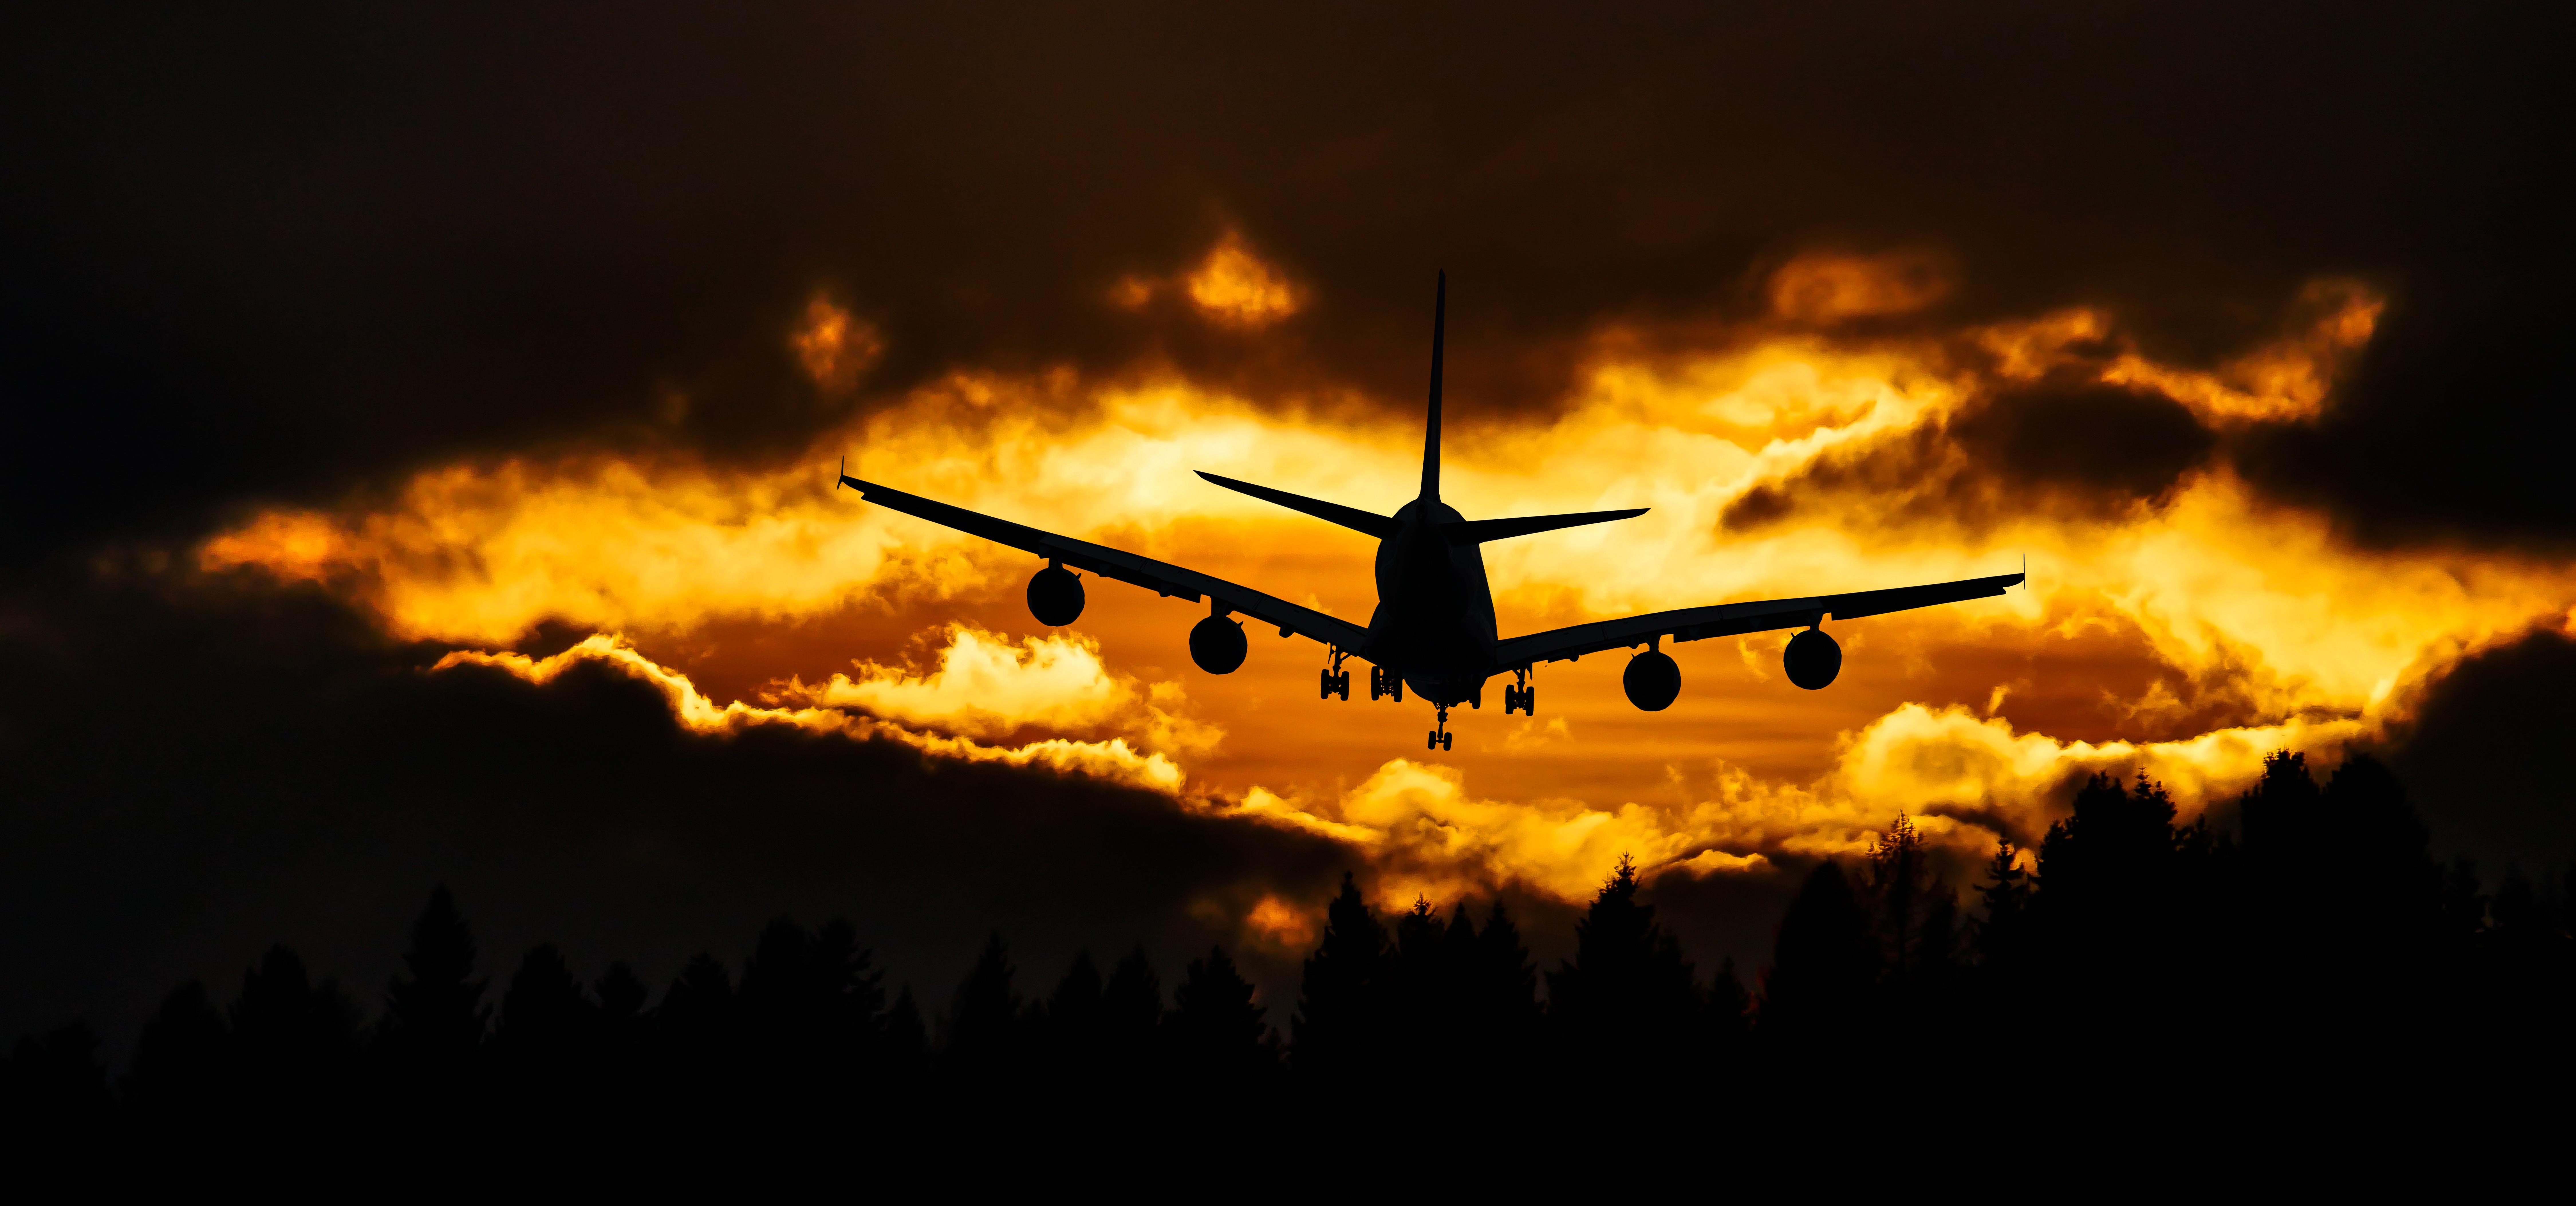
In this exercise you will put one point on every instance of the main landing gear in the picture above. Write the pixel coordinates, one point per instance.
(1521, 696)
(1441, 737)
(1337, 681)
(1384, 682)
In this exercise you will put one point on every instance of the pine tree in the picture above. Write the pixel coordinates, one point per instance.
(1217, 1034)
(53, 1089)
(2001, 934)
(1627, 999)
(1818, 994)
(1727, 1017)
(905, 1054)
(435, 1016)
(622, 997)
(1340, 1025)
(696, 1033)
(1506, 982)
(547, 1024)
(183, 1063)
(296, 1041)
(1896, 888)
(982, 1044)
(1073, 1024)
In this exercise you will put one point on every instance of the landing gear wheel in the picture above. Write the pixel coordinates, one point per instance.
(1432, 744)
(1445, 739)
(1326, 677)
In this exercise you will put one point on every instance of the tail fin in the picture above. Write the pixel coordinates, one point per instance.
(1431, 437)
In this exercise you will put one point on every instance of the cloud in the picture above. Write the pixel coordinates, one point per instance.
(984, 686)
(836, 348)
(1234, 286)
(2238, 621)
(1112, 759)
(1826, 287)
(300, 778)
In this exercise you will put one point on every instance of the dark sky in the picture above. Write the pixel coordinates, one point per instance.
(290, 253)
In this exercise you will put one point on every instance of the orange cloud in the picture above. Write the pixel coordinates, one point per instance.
(1113, 759)
(1823, 287)
(984, 686)
(2315, 643)
(1236, 287)
(835, 348)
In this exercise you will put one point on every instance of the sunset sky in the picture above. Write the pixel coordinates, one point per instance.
(426, 421)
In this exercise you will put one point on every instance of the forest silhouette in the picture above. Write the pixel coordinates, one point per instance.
(2320, 956)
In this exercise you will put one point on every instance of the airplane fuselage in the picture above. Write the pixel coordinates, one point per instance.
(1434, 623)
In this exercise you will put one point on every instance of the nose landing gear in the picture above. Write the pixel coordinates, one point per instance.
(1441, 737)
(1520, 696)
(1337, 681)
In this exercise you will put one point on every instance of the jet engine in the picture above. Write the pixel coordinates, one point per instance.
(1055, 596)
(1217, 645)
(1653, 680)
(1813, 659)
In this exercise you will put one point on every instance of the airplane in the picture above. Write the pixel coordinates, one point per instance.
(1433, 629)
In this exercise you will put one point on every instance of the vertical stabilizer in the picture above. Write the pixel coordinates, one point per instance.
(1431, 436)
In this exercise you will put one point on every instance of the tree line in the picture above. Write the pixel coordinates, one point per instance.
(2319, 949)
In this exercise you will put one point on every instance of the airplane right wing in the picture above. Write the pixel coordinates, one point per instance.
(1731, 619)
(1161, 577)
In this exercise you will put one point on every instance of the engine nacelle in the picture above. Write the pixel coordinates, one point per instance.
(1653, 680)
(1812, 659)
(1217, 645)
(1055, 596)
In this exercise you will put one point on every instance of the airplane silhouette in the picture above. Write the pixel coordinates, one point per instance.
(1433, 629)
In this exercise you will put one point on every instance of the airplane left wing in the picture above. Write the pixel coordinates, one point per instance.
(1161, 577)
(1731, 619)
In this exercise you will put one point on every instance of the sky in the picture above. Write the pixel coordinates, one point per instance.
(425, 425)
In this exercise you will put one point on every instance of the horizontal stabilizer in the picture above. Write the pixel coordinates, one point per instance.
(1478, 531)
(1353, 518)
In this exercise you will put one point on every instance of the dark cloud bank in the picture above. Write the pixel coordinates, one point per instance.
(291, 254)
(286, 254)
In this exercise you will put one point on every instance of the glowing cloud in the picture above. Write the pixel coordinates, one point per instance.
(2315, 643)
(1827, 288)
(984, 686)
(1234, 286)
(835, 348)
(1114, 759)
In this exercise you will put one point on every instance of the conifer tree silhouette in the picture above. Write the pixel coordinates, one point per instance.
(1339, 1027)
(1727, 1024)
(435, 1016)
(545, 1037)
(1131, 1021)
(1072, 1029)
(810, 1009)
(622, 996)
(982, 1043)
(904, 1056)
(1506, 982)
(1817, 996)
(1424, 984)
(1916, 918)
(696, 1032)
(1217, 1034)
(294, 1041)
(1626, 999)
(53, 1090)
(183, 1068)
